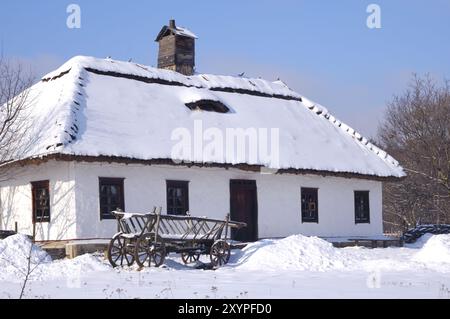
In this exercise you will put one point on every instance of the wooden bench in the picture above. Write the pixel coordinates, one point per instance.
(368, 242)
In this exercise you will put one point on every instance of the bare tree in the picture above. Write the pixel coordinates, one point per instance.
(416, 131)
(14, 102)
(33, 261)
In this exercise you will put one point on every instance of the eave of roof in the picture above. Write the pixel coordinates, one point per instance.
(169, 162)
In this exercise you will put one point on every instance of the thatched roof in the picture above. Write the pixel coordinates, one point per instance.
(100, 108)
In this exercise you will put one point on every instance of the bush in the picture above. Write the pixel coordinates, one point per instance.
(415, 233)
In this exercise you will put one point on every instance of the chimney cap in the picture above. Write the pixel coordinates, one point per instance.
(173, 29)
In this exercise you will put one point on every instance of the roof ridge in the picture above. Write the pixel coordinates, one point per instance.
(227, 83)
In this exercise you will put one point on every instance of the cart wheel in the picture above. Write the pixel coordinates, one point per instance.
(189, 258)
(150, 252)
(120, 251)
(220, 253)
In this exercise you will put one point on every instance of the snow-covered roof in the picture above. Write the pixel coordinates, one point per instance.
(185, 32)
(102, 107)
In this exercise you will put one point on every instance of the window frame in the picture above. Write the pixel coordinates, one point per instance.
(359, 220)
(184, 185)
(315, 192)
(111, 181)
(38, 185)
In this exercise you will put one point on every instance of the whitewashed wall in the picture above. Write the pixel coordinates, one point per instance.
(74, 188)
(16, 201)
(279, 212)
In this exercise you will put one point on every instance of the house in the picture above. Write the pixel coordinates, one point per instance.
(108, 134)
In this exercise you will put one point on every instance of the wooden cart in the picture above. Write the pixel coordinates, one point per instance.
(147, 238)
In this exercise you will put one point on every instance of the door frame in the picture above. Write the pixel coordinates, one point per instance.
(251, 184)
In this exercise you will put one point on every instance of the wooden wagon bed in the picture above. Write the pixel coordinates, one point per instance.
(147, 238)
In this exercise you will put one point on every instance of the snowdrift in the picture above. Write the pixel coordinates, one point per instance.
(436, 249)
(292, 253)
(14, 253)
(431, 252)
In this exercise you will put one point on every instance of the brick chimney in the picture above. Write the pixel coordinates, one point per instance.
(176, 49)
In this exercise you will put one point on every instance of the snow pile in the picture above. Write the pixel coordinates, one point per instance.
(15, 252)
(301, 253)
(296, 252)
(436, 249)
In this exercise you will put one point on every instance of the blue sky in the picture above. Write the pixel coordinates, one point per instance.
(322, 49)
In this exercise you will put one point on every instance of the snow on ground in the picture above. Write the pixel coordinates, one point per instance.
(435, 251)
(16, 253)
(292, 253)
(294, 267)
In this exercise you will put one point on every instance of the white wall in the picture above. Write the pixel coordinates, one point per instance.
(74, 188)
(16, 200)
(279, 212)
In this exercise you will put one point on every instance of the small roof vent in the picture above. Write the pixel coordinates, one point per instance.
(209, 106)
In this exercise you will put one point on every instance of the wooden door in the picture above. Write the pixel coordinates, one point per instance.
(244, 208)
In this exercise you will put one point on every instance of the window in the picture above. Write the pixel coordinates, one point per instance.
(362, 210)
(310, 205)
(111, 196)
(208, 105)
(41, 201)
(177, 197)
